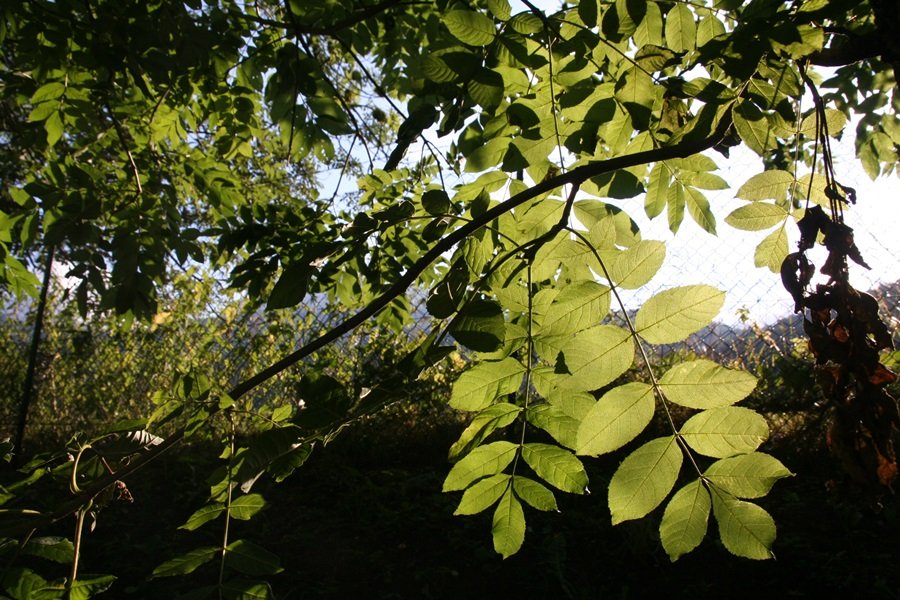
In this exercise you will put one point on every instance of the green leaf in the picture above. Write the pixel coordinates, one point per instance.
(55, 548)
(650, 29)
(186, 563)
(290, 289)
(482, 494)
(685, 520)
(479, 326)
(636, 91)
(437, 70)
(587, 10)
(246, 589)
(500, 9)
(725, 431)
(675, 203)
(637, 265)
(279, 450)
(325, 401)
(470, 27)
(248, 558)
(593, 213)
(768, 185)
(480, 462)
(746, 529)
(89, 586)
(486, 88)
(486, 422)
(526, 23)
(705, 384)
(756, 216)
(488, 155)
(657, 190)
(557, 466)
(436, 202)
(772, 251)
(480, 385)
(644, 479)
(508, 529)
(747, 475)
(672, 315)
(708, 28)
(54, 127)
(562, 427)
(49, 91)
(594, 357)
(834, 119)
(575, 308)
(244, 507)
(698, 208)
(203, 515)
(681, 29)
(534, 494)
(617, 418)
(753, 127)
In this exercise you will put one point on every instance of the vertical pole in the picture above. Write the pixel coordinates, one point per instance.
(28, 391)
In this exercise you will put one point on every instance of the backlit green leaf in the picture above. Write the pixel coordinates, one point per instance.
(753, 127)
(186, 563)
(508, 529)
(657, 190)
(203, 515)
(705, 384)
(756, 216)
(487, 421)
(747, 475)
(746, 529)
(768, 185)
(480, 385)
(486, 88)
(479, 326)
(672, 315)
(244, 507)
(698, 208)
(685, 520)
(482, 494)
(592, 212)
(834, 119)
(575, 308)
(644, 479)
(557, 466)
(470, 27)
(54, 127)
(562, 427)
(681, 29)
(49, 547)
(500, 9)
(637, 265)
(480, 462)
(534, 494)
(617, 418)
(772, 251)
(594, 357)
(725, 431)
(526, 23)
(251, 559)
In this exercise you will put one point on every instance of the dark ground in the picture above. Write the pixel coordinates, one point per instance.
(371, 522)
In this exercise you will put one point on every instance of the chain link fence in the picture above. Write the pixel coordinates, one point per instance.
(101, 373)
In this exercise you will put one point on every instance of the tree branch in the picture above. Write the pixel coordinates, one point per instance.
(574, 177)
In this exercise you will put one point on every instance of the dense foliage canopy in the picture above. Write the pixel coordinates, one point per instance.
(484, 138)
